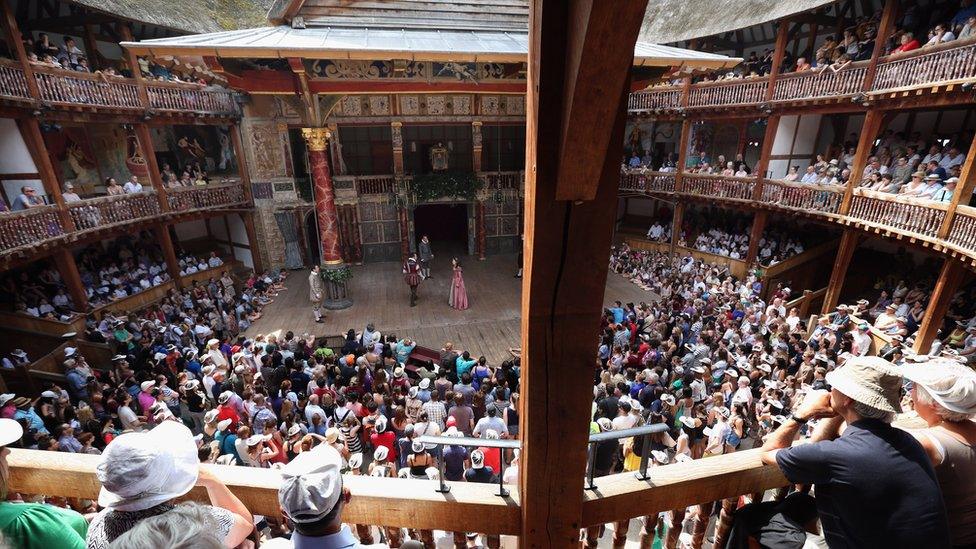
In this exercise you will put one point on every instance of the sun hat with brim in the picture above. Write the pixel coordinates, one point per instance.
(311, 484)
(142, 470)
(356, 460)
(477, 459)
(294, 430)
(20, 402)
(254, 440)
(5, 398)
(224, 424)
(381, 453)
(688, 422)
(332, 435)
(949, 383)
(870, 380)
(146, 385)
(10, 431)
(605, 424)
(117, 358)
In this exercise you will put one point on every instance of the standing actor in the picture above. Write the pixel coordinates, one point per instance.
(425, 256)
(411, 275)
(316, 291)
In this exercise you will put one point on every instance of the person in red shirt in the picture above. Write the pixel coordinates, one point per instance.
(493, 456)
(383, 437)
(226, 410)
(908, 43)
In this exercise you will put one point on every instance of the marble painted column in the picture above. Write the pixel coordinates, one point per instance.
(317, 141)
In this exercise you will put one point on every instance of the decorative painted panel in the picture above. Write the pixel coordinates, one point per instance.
(346, 69)
(266, 150)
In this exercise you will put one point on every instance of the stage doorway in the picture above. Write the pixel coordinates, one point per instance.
(445, 224)
(312, 245)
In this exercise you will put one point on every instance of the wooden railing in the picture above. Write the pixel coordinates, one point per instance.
(502, 180)
(105, 211)
(181, 97)
(13, 83)
(802, 196)
(660, 98)
(717, 186)
(29, 227)
(962, 234)
(922, 217)
(944, 63)
(468, 507)
(728, 92)
(820, 83)
(60, 87)
(737, 267)
(646, 181)
(204, 197)
(375, 184)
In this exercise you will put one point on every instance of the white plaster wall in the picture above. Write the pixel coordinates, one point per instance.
(14, 156)
(191, 229)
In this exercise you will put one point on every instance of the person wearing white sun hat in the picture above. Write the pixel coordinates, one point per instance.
(944, 396)
(34, 525)
(141, 475)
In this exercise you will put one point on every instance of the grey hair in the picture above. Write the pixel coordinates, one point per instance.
(870, 412)
(187, 526)
(947, 415)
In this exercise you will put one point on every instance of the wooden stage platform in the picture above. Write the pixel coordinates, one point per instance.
(488, 327)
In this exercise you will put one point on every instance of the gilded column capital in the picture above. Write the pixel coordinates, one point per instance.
(317, 139)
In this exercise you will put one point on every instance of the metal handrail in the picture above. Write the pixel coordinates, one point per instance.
(505, 444)
(615, 435)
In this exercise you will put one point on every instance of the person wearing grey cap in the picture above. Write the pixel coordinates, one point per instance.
(312, 497)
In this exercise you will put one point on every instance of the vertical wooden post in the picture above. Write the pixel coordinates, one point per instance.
(396, 129)
(677, 219)
(845, 251)
(951, 276)
(165, 240)
(16, 44)
(762, 166)
(743, 139)
(252, 241)
(476, 146)
(869, 132)
(758, 226)
(144, 137)
(562, 289)
(887, 24)
(679, 174)
(125, 31)
(64, 260)
(30, 129)
(779, 50)
(964, 190)
(91, 48)
(235, 138)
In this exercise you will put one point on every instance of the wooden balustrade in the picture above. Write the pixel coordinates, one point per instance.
(801, 196)
(13, 83)
(660, 98)
(646, 181)
(376, 184)
(820, 83)
(963, 231)
(718, 186)
(217, 195)
(729, 92)
(112, 210)
(29, 227)
(502, 180)
(923, 217)
(944, 63)
(190, 98)
(82, 88)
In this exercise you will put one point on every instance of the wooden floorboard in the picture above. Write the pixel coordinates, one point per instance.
(488, 327)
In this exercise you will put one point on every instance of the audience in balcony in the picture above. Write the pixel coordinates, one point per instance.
(659, 232)
(68, 193)
(133, 185)
(28, 198)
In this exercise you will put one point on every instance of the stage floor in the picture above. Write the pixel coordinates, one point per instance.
(489, 327)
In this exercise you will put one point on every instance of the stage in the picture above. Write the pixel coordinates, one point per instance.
(489, 327)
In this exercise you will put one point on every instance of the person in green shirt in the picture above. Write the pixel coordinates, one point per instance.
(34, 525)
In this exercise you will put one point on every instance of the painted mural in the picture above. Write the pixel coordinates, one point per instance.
(208, 148)
(72, 155)
(117, 152)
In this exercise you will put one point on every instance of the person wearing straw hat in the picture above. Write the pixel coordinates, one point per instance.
(944, 395)
(874, 485)
(141, 475)
(33, 525)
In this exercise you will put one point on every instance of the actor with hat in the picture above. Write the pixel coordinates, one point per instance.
(875, 486)
(142, 473)
(316, 292)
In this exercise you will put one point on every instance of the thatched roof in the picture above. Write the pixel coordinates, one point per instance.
(188, 16)
(668, 21)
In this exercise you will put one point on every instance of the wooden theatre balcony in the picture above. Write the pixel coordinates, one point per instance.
(64, 89)
(914, 219)
(944, 67)
(27, 231)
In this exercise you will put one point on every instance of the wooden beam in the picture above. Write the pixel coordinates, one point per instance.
(755, 235)
(562, 289)
(252, 241)
(165, 241)
(887, 25)
(30, 130)
(951, 277)
(144, 137)
(309, 100)
(15, 42)
(762, 165)
(126, 31)
(682, 154)
(68, 269)
(468, 507)
(235, 138)
(964, 189)
(845, 251)
(873, 122)
(779, 50)
(598, 58)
